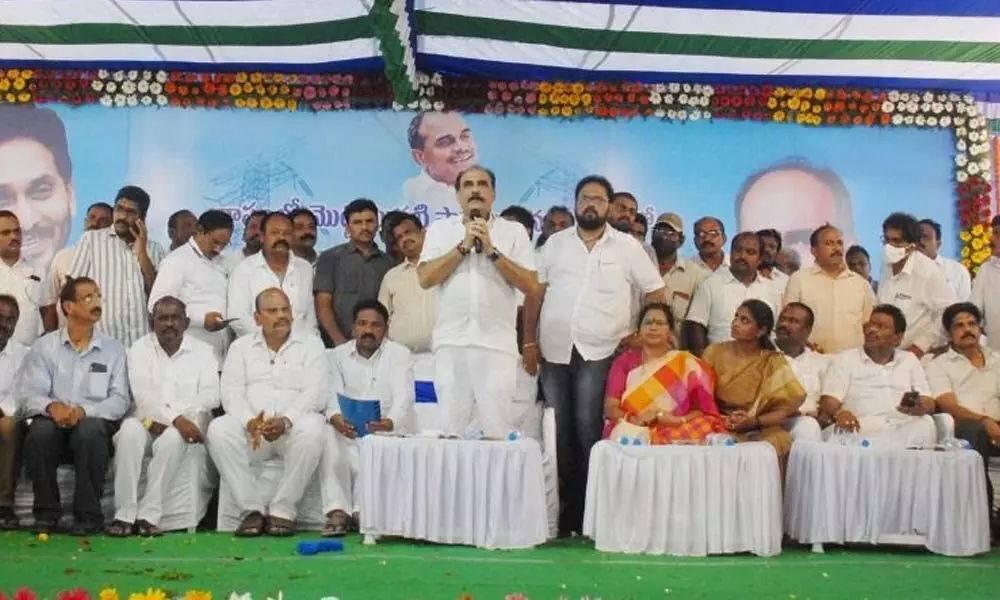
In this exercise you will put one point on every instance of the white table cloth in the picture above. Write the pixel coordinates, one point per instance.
(684, 500)
(839, 494)
(479, 493)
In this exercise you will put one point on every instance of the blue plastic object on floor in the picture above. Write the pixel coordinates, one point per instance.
(312, 547)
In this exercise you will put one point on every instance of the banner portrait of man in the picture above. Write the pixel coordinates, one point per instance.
(441, 144)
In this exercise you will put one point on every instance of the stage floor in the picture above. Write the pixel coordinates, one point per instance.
(397, 569)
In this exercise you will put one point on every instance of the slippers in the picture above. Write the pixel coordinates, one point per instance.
(336, 525)
(278, 527)
(120, 529)
(252, 525)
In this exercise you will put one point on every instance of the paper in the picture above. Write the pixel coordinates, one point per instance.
(358, 413)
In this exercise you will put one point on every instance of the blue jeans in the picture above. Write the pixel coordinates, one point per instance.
(576, 392)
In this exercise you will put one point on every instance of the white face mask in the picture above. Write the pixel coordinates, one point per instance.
(892, 255)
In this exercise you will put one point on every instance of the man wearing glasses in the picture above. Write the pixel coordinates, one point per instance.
(680, 276)
(710, 240)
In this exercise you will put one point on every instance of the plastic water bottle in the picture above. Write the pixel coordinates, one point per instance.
(514, 435)
(955, 445)
(312, 547)
(719, 439)
(850, 438)
(473, 433)
(627, 441)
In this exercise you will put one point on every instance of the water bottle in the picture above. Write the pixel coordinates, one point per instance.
(472, 433)
(850, 438)
(719, 439)
(955, 445)
(627, 441)
(514, 435)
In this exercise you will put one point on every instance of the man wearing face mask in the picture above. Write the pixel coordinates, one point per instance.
(275, 266)
(680, 277)
(913, 283)
(984, 290)
(194, 274)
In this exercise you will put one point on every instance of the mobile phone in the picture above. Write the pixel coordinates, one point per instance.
(910, 399)
(228, 321)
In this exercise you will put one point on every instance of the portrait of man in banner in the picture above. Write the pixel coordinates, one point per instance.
(36, 179)
(441, 144)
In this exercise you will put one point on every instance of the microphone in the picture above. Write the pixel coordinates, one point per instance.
(478, 243)
(310, 548)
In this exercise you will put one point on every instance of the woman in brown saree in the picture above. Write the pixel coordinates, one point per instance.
(755, 389)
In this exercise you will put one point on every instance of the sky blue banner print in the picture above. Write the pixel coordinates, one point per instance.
(751, 175)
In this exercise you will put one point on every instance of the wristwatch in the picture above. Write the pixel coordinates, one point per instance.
(462, 249)
(493, 256)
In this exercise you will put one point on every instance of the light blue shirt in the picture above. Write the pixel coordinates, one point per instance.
(94, 379)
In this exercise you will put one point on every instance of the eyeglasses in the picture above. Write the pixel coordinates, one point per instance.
(707, 233)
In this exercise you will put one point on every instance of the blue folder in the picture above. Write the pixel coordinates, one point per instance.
(425, 393)
(359, 412)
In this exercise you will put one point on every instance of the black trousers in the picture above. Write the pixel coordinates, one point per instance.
(974, 432)
(87, 447)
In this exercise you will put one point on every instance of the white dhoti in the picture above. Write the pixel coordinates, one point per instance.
(527, 410)
(132, 443)
(897, 430)
(475, 386)
(301, 448)
(338, 472)
(804, 428)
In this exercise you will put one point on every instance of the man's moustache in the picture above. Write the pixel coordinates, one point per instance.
(368, 336)
(781, 330)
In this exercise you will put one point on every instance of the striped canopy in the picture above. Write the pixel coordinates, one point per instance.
(952, 44)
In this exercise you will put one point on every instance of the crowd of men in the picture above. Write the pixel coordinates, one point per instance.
(119, 350)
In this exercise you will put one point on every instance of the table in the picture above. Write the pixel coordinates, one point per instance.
(489, 494)
(886, 494)
(684, 500)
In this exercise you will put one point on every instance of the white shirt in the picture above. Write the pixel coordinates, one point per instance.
(29, 285)
(11, 358)
(58, 271)
(922, 293)
(780, 281)
(977, 390)
(589, 293)
(957, 276)
(292, 382)
(387, 377)
(424, 195)
(869, 389)
(198, 282)
(810, 368)
(166, 387)
(253, 276)
(700, 264)
(476, 306)
(231, 258)
(986, 296)
(717, 298)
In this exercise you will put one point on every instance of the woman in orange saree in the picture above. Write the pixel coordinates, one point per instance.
(755, 387)
(657, 393)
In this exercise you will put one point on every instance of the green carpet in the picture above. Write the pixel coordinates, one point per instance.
(403, 570)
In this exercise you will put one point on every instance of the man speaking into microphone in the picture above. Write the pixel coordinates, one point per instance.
(477, 264)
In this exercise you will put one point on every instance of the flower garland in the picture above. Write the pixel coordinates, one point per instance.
(810, 106)
(110, 593)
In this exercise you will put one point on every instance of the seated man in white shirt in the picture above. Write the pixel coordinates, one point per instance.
(369, 367)
(274, 385)
(965, 381)
(792, 334)
(12, 354)
(174, 379)
(879, 389)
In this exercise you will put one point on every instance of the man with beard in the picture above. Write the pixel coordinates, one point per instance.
(175, 382)
(477, 265)
(710, 241)
(770, 246)
(26, 282)
(680, 277)
(274, 387)
(442, 145)
(622, 216)
(795, 323)
(98, 217)
(180, 227)
(194, 275)
(984, 289)
(369, 368)
(12, 355)
(714, 305)
(275, 266)
(349, 273)
(123, 262)
(582, 317)
(860, 262)
(74, 389)
(410, 307)
(389, 220)
(304, 227)
(232, 257)
(879, 389)
(965, 383)
(36, 178)
(840, 299)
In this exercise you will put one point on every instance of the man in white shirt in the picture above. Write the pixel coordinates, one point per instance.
(965, 382)
(26, 282)
(274, 388)
(984, 290)
(955, 274)
(582, 316)
(123, 261)
(710, 241)
(770, 246)
(369, 367)
(879, 389)
(174, 379)
(274, 266)
(442, 145)
(194, 274)
(98, 217)
(12, 354)
(795, 324)
(913, 283)
(180, 227)
(477, 263)
(232, 257)
(680, 277)
(715, 301)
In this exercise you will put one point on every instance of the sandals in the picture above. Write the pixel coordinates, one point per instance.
(146, 529)
(337, 524)
(252, 525)
(120, 529)
(278, 527)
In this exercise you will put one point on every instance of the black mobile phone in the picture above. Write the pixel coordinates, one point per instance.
(910, 399)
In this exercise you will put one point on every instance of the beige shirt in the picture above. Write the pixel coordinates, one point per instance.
(977, 390)
(680, 282)
(840, 304)
(411, 308)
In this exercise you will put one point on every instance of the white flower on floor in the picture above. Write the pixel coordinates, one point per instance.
(237, 596)
(330, 598)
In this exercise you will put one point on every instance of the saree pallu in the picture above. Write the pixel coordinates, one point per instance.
(677, 383)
